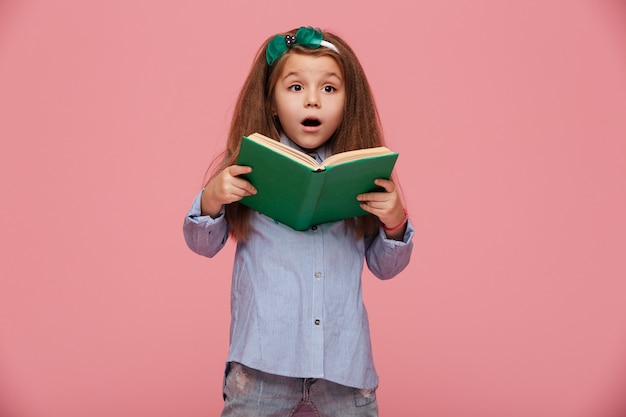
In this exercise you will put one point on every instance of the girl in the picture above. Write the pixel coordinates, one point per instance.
(299, 335)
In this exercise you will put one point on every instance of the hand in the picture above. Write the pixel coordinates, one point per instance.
(225, 188)
(386, 205)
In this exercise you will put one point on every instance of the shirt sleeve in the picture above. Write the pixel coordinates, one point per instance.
(204, 235)
(386, 258)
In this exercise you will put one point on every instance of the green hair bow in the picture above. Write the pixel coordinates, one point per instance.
(305, 36)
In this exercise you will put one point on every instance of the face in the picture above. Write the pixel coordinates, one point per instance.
(309, 99)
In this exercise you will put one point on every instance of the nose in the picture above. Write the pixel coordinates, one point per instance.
(312, 99)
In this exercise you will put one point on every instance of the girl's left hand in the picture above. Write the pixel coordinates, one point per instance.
(386, 205)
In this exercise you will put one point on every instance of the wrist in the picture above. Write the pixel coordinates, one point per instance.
(208, 206)
(397, 227)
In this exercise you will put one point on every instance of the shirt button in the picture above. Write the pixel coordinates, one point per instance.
(313, 227)
(318, 274)
(317, 322)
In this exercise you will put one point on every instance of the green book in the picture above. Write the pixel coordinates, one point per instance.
(294, 189)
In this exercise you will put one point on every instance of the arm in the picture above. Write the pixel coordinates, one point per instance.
(389, 252)
(204, 235)
(387, 206)
(225, 188)
(386, 257)
(205, 228)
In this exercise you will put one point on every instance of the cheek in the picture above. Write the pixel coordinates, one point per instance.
(285, 113)
(279, 104)
(338, 113)
(284, 104)
(340, 107)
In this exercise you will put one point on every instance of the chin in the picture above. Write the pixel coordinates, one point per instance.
(310, 144)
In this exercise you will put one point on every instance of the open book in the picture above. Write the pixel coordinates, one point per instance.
(294, 189)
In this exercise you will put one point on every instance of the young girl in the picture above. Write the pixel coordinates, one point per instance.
(299, 335)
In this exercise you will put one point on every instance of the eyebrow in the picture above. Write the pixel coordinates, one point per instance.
(326, 75)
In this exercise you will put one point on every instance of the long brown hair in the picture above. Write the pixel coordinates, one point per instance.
(359, 129)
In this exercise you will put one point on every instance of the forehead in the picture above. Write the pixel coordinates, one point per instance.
(310, 65)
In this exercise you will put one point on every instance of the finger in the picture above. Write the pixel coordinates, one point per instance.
(368, 208)
(243, 187)
(375, 207)
(236, 170)
(388, 185)
(372, 197)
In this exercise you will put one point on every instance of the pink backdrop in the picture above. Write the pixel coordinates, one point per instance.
(510, 119)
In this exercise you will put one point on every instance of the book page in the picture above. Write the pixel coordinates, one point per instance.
(309, 161)
(354, 155)
(286, 150)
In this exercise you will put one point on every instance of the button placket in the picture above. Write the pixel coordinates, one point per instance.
(317, 284)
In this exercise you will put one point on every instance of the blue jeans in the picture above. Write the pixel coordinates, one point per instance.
(252, 393)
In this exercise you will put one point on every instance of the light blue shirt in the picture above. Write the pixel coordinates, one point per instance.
(296, 301)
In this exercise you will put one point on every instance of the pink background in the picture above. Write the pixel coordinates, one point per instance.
(510, 119)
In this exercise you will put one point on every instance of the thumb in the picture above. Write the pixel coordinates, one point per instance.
(236, 170)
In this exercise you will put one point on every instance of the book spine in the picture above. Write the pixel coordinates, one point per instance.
(310, 200)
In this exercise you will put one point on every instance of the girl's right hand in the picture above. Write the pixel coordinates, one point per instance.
(226, 187)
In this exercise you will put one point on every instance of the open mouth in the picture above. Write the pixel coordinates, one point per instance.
(311, 122)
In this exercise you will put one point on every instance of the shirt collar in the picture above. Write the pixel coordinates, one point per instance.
(319, 153)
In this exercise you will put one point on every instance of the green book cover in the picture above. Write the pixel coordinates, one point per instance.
(292, 188)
